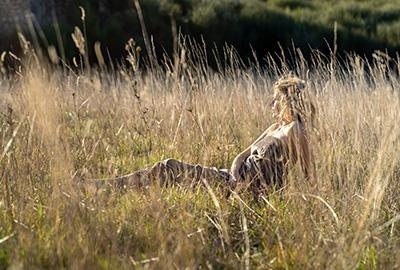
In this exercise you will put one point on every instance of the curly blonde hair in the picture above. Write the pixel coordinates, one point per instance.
(289, 93)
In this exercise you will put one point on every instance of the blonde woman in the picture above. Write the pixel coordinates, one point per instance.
(263, 165)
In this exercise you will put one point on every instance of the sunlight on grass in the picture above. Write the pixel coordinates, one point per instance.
(59, 125)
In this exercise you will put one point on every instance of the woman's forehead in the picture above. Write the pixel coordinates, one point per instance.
(290, 81)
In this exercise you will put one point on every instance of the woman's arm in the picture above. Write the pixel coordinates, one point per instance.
(239, 159)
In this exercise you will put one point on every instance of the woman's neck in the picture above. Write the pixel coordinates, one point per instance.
(285, 122)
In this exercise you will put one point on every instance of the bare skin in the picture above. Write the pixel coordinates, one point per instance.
(291, 133)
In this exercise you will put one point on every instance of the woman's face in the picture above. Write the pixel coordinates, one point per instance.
(275, 109)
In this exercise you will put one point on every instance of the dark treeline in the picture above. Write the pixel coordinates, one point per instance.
(264, 25)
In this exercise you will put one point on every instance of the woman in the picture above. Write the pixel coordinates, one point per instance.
(263, 165)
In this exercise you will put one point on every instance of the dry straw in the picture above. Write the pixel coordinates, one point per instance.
(72, 124)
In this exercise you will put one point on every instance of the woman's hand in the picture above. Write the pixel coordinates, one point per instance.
(235, 168)
(238, 162)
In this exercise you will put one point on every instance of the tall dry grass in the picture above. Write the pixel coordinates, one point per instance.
(61, 124)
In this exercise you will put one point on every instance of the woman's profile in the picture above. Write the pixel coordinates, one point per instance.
(265, 163)
(262, 166)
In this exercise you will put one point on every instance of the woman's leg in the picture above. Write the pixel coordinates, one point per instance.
(170, 172)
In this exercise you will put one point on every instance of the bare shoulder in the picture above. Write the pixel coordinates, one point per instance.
(295, 129)
(273, 127)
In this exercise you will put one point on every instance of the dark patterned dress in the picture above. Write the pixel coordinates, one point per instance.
(264, 170)
(266, 166)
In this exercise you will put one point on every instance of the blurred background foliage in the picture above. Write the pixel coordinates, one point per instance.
(264, 25)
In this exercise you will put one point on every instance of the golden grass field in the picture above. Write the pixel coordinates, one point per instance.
(59, 124)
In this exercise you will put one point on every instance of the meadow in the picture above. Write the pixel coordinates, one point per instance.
(59, 124)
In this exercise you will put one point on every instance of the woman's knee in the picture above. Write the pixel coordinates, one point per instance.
(171, 162)
(163, 163)
(165, 170)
